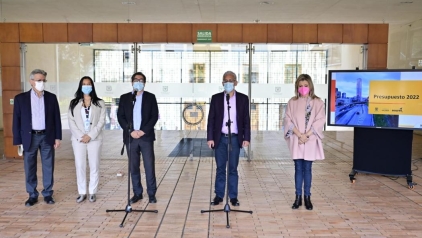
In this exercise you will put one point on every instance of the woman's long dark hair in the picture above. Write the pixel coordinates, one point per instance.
(80, 95)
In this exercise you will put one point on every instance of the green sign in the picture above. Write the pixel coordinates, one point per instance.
(204, 36)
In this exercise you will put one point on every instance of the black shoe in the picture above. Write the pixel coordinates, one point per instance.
(298, 202)
(31, 201)
(49, 200)
(308, 203)
(234, 201)
(136, 198)
(152, 199)
(216, 200)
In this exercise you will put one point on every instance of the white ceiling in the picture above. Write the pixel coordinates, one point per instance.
(212, 11)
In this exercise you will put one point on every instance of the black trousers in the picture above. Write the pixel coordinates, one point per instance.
(146, 148)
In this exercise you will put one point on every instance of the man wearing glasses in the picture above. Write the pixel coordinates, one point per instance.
(37, 126)
(217, 135)
(137, 114)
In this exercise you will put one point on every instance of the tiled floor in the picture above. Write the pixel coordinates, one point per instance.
(374, 206)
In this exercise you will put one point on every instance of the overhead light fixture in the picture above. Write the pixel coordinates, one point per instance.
(128, 3)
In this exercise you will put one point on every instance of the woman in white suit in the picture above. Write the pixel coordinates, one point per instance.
(86, 117)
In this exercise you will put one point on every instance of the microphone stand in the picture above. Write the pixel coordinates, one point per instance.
(128, 208)
(229, 148)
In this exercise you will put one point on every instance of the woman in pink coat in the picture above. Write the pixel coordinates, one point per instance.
(303, 125)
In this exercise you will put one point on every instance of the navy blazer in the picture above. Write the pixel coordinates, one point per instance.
(216, 117)
(22, 119)
(149, 113)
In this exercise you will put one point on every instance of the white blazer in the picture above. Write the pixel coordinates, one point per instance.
(98, 118)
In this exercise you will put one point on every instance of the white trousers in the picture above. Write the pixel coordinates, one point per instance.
(94, 150)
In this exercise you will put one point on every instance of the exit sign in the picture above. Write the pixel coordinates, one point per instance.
(204, 36)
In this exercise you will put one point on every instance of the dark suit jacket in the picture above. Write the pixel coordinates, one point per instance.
(22, 119)
(216, 116)
(149, 115)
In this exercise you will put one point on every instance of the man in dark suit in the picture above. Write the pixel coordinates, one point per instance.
(137, 114)
(217, 135)
(37, 125)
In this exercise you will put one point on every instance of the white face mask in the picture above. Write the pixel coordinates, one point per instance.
(39, 85)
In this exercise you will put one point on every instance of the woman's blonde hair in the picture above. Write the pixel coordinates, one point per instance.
(307, 78)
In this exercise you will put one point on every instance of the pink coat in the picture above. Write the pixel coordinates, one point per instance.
(295, 117)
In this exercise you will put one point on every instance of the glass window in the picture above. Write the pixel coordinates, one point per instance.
(184, 76)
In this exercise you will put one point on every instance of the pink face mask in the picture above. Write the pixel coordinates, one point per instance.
(303, 91)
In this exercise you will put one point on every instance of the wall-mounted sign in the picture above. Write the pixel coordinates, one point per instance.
(204, 36)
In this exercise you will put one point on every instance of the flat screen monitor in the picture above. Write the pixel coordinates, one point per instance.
(375, 98)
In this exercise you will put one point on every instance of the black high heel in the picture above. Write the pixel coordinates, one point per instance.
(298, 202)
(308, 203)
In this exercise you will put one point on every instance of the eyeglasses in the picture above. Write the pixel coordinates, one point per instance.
(40, 80)
(138, 80)
(229, 81)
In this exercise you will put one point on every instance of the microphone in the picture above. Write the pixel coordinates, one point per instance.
(123, 149)
(20, 150)
(134, 95)
(227, 97)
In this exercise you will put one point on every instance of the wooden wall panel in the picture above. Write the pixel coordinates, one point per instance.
(11, 78)
(7, 95)
(31, 32)
(212, 27)
(377, 56)
(255, 33)
(129, 32)
(330, 33)
(9, 32)
(154, 32)
(55, 32)
(10, 54)
(229, 33)
(104, 32)
(377, 33)
(305, 33)
(355, 33)
(10, 151)
(280, 33)
(7, 124)
(179, 33)
(79, 32)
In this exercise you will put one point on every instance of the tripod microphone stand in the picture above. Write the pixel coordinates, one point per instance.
(128, 208)
(229, 148)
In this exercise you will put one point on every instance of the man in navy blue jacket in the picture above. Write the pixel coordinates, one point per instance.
(37, 126)
(137, 114)
(217, 135)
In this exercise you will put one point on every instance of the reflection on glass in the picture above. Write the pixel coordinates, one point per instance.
(199, 66)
